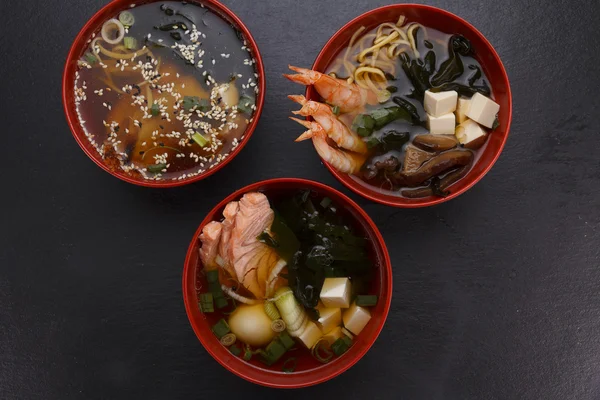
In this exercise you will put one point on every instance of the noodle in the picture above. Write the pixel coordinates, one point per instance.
(119, 56)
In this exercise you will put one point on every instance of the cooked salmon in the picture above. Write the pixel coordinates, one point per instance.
(228, 223)
(252, 259)
(210, 237)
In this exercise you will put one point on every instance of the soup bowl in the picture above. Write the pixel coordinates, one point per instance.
(486, 55)
(307, 372)
(81, 44)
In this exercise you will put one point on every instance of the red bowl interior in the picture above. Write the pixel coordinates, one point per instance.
(79, 47)
(308, 371)
(490, 61)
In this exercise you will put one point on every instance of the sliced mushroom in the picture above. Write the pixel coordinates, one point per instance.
(415, 157)
(443, 184)
(435, 143)
(435, 166)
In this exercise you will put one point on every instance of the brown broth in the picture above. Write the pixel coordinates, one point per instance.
(109, 117)
(438, 42)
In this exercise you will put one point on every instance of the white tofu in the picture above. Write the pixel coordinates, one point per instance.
(310, 335)
(336, 292)
(334, 335)
(461, 109)
(483, 110)
(329, 318)
(471, 134)
(443, 125)
(438, 104)
(356, 318)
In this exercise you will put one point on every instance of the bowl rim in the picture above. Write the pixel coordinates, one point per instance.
(359, 189)
(386, 266)
(79, 135)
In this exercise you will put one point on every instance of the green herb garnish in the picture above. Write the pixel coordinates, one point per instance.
(235, 350)
(496, 124)
(206, 303)
(90, 58)
(156, 168)
(336, 110)
(155, 110)
(245, 104)
(195, 103)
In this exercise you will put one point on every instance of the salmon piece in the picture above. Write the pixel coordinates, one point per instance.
(228, 223)
(251, 259)
(210, 237)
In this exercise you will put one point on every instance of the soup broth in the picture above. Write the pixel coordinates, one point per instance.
(166, 90)
(278, 301)
(406, 110)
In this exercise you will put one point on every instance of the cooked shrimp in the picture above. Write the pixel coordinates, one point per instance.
(347, 96)
(344, 161)
(334, 128)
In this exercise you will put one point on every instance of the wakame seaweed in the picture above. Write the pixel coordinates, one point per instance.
(325, 246)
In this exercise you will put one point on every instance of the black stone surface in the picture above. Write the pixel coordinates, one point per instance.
(496, 293)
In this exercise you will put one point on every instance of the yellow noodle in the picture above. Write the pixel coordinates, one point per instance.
(361, 56)
(149, 95)
(393, 28)
(119, 56)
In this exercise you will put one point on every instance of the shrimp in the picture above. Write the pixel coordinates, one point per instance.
(347, 96)
(334, 128)
(344, 161)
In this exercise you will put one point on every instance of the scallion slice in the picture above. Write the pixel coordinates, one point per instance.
(156, 168)
(90, 58)
(366, 301)
(336, 110)
(235, 350)
(246, 104)
(221, 329)
(199, 139)
(130, 43)
(289, 365)
(206, 303)
(127, 18)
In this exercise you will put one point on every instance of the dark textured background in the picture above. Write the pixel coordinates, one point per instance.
(496, 293)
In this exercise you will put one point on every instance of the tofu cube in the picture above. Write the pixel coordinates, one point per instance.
(443, 125)
(461, 110)
(329, 318)
(471, 134)
(356, 318)
(483, 110)
(336, 292)
(310, 335)
(438, 104)
(334, 335)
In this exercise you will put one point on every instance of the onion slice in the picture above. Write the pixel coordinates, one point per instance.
(105, 31)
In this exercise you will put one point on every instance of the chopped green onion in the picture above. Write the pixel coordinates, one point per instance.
(206, 303)
(289, 365)
(156, 168)
(383, 96)
(221, 328)
(199, 139)
(127, 18)
(496, 123)
(366, 301)
(212, 276)
(325, 202)
(336, 110)
(228, 340)
(247, 354)
(363, 124)
(90, 58)
(155, 110)
(278, 325)
(221, 302)
(286, 340)
(272, 311)
(245, 104)
(130, 43)
(341, 345)
(235, 350)
(321, 352)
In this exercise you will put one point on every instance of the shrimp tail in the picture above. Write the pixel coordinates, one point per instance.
(304, 76)
(298, 98)
(313, 128)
